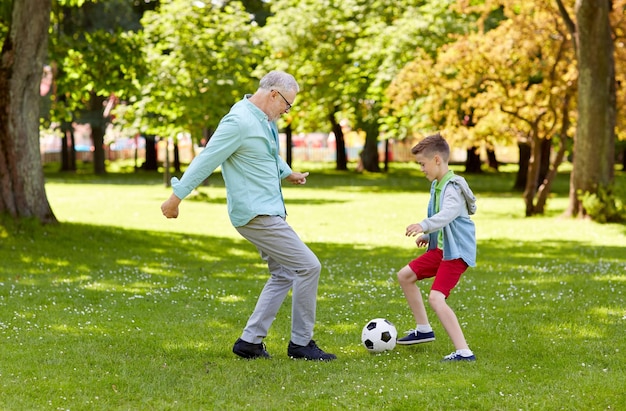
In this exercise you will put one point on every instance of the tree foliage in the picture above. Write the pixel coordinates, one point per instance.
(200, 58)
(96, 58)
(617, 18)
(512, 79)
(345, 53)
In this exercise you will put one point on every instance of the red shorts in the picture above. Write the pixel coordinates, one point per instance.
(446, 272)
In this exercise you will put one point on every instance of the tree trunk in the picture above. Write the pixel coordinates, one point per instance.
(21, 68)
(473, 163)
(387, 155)
(342, 157)
(68, 153)
(533, 174)
(151, 162)
(524, 161)
(97, 135)
(369, 154)
(544, 189)
(492, 160)
(96, 119)
(546, 185)
(544, 165)
(289, 144)
(594, 143)
(176, 160)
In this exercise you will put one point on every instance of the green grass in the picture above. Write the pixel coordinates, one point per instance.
(118, 308)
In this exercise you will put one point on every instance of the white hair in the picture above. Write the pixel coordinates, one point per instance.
(279, 80)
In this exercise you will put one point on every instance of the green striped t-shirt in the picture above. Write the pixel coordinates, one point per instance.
(438, 188)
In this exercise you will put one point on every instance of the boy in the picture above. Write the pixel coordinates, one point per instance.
(451, 239)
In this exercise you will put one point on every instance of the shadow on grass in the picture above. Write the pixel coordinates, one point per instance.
(399, 178)
(202, 197)
(74, 263)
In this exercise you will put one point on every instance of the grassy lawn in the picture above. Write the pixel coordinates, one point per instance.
(118, 308)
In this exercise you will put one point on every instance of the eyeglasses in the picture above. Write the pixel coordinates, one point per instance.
(286, 102)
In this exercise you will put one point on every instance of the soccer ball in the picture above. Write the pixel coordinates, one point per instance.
(379, 335)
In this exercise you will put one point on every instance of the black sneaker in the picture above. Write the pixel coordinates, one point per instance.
(416, 337)
(309, 352)
(250, 351)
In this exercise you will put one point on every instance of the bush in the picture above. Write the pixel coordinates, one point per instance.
(603, 206)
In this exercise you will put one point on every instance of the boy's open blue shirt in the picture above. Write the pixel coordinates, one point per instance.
(459, 233)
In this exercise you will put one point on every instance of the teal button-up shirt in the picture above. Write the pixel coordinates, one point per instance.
(245, 144)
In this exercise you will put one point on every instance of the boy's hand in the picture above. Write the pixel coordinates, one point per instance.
(413, 230)
(422, 241)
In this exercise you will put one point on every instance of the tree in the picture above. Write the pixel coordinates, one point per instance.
(21, 67)
(393, 35)
(96, 53)
(345, 53)
(618, 26)
(594, 143)
(497, 84)
(313, 41)
(200, 60)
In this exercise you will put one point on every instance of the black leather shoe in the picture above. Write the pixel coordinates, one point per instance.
(250, 351)
(309, 352)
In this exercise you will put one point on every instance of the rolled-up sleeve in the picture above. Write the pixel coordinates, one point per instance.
(221, 146)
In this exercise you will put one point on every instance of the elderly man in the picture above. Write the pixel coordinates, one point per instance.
(245, 144)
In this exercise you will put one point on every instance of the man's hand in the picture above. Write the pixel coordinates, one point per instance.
(413, 230)
(297, 178)
(170, 207)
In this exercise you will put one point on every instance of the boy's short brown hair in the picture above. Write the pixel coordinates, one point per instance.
(432, 145)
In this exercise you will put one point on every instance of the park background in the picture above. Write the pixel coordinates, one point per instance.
(539, 78)
(106, 305)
